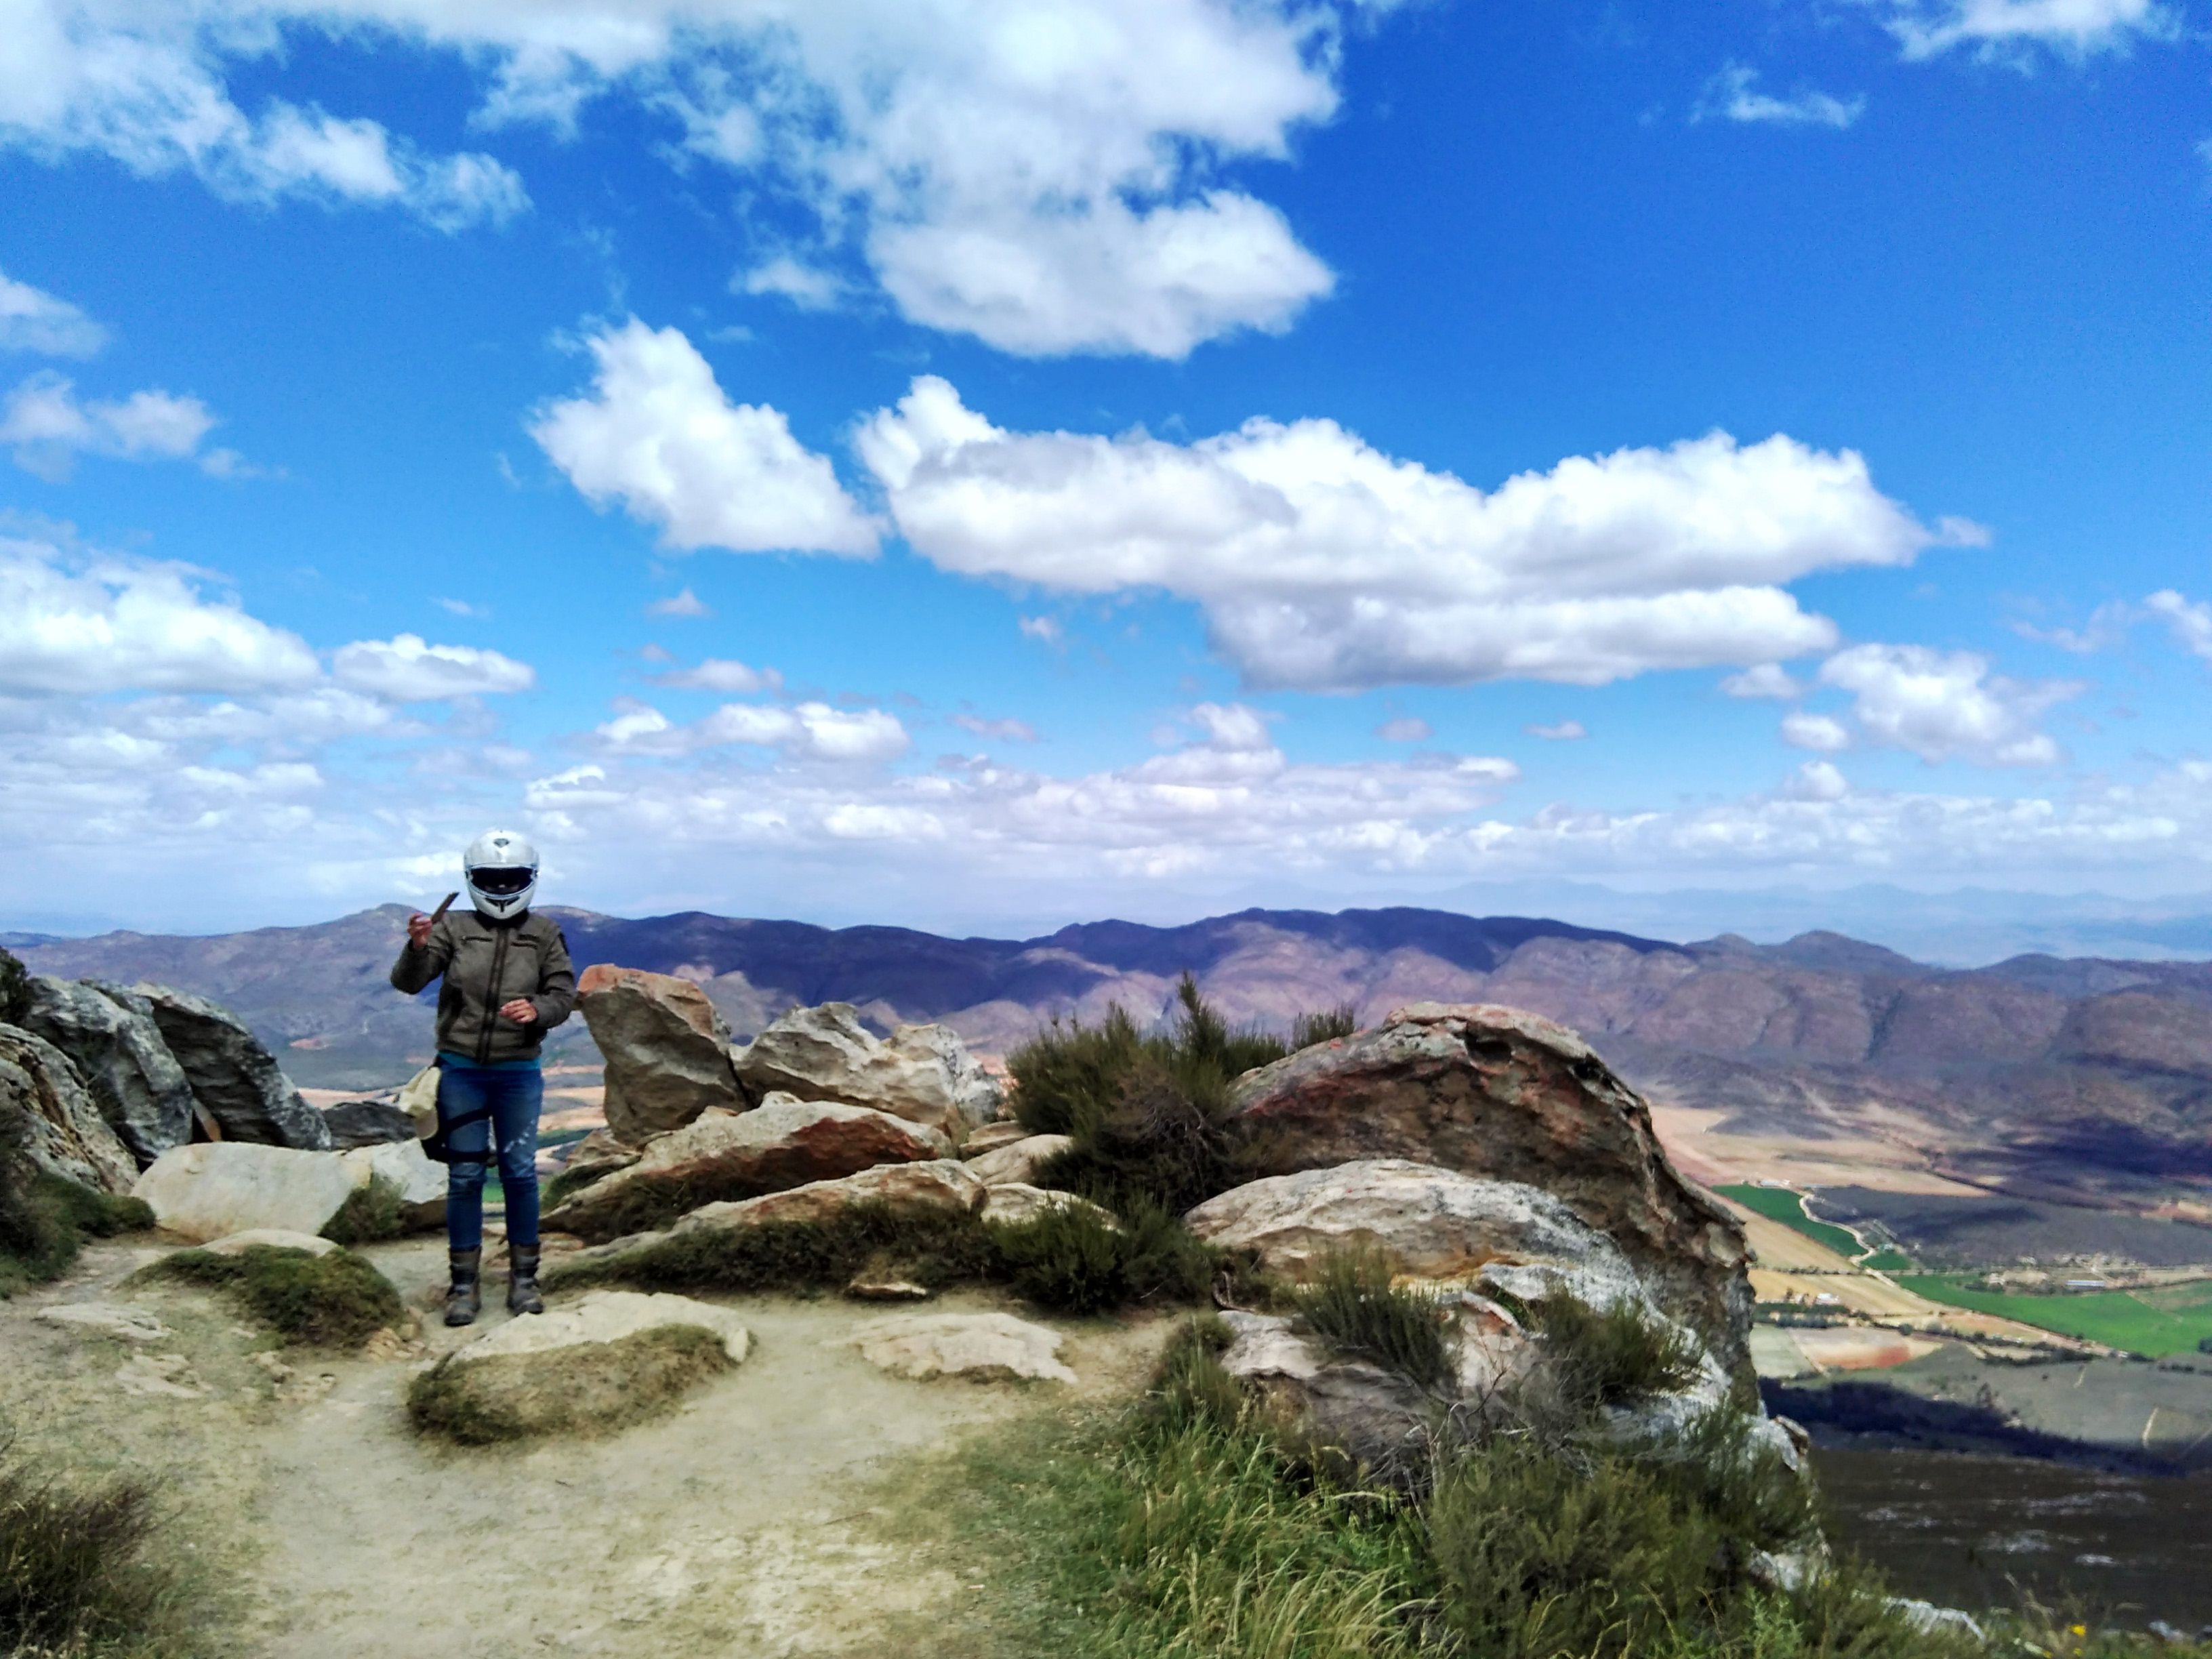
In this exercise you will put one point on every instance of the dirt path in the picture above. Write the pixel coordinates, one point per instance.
(738, 1526)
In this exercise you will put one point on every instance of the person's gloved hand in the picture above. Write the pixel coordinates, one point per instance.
(522, 1010)
(418, 930)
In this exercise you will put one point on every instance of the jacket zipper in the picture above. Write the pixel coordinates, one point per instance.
(491, 1007)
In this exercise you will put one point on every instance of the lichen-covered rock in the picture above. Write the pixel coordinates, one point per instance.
(111, 1037)
(212, 1189)
(666, 1049)
(1020, 1161)
(235, 1080)
(1495, 1092)
(923, 1073)
(983, 1347)
(357, 1123)
(46, 1109)
(723, 1156)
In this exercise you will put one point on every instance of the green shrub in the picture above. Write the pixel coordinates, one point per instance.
(1190, 1387)
(930, 1247)
(1352, 1306)
(1069, 1072)
(1326, 1026)
(1074, 1260)
(592, 1390)
(1613, 1357)
(45, 1220)
(75, 1576)
(372, 1213)
(1742, 1483)
(333, 1301)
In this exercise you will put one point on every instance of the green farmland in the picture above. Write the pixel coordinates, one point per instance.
(2168, 1319)
(1780, 1204)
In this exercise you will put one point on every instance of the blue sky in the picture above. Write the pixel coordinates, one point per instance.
(979, 464)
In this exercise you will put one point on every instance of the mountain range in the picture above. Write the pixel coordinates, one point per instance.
(2085, 1079)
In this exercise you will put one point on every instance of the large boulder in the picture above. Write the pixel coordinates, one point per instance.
(1494, 1091)
(666, 1049)
(46, 1110)
(722, 1156)
(367, 1123)
(110, 1036)
(214, 1189)
(409, 1173)
(1020, 1161)
(236, 1080)
(923, 1073)
(983, 1347)
(1430, 1223)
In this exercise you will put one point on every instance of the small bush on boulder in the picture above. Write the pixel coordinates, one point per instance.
(333, 1301)
(1613, 1357)
(372, 1213)
(1353, 1306)
(932, 1248)
(1073, 1260)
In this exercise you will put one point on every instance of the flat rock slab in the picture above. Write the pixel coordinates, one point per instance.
(989, 1137)
(109, 1319)
(1013, 1203)
(1020, 1161)
(273, 1238)
(986, 1348)
(212, 1189)
(606, 1317)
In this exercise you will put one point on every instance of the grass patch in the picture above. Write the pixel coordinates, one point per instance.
(77, 1573)
(371, 1214)
(1352, 1306)
(334, 1301)
(594, 1389)
(46, 1218)
(1614, 1357)
(2169, 1319)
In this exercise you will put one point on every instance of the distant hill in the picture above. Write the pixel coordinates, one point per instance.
(2082, 1079)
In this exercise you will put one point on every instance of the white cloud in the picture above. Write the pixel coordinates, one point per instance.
(1732, 96)
(1945, 705)
(406, 669)
(685, 604)
(1817, 780)
(808, 287)
(2191, 622)
(1323, 564)
(1046, 629)
(49, 426)
(1929, 28)
(1803, 731)
(87, 624)
(720, 674)
(1765, 679)
(1406, 728)
(812, 731)
(460, 607)
(1000, 731)
(1564, 731)
(659, 436)
(35, 321)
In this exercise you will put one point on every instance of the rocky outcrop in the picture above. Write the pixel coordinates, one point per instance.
(45, 1109)
(1010, 1203)
(923, 1073)
(1494, 1091)
(1430, 1223)
(354, 1123)
(984, 1347)
(1021, 1161)
(667, 1050)
(989, 1137)
(236, 1081)
(212, 1189)
(110, 1036)
(596, 1154)
(408, 1173)
(723, 1156)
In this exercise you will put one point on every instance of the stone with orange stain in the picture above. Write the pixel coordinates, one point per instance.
(667, 1050)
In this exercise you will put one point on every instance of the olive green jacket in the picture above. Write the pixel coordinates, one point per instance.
(487, 964)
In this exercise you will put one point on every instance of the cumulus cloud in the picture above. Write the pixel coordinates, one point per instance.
(808, 287)
(82, 623)
(813, 731)
(2191, 622)
(1733, 95)
(685, 604)
(1817, 780)
(1928, 29)
(1945, 705)
(1765, 679)
(35, 321)
(407, 669)
(1048, 189)
(1323, 564)
(1803, 731)
(657, 434)
(1562, 732)
(723, 675)
(48, 426)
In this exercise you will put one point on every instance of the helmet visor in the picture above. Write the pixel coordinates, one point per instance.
(502, 881)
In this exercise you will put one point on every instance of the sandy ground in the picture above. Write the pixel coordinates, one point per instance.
(1704, 1153)
(739, 1526)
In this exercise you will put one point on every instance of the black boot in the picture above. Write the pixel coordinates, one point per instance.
(522, 1296)
(462, 1296)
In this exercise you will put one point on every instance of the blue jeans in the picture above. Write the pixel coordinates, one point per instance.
(513, 1089)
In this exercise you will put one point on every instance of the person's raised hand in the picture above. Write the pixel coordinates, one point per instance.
(522, 1010)
(418, 930)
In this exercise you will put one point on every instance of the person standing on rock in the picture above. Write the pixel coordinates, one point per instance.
(508, 982)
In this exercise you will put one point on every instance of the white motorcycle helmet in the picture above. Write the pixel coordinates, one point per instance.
(500, 870)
